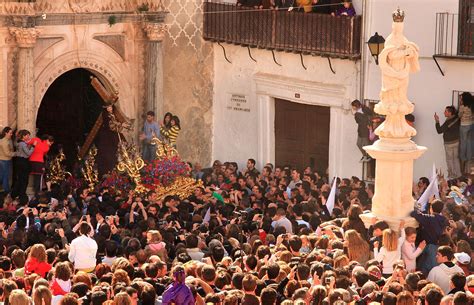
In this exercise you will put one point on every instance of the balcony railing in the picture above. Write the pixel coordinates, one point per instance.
(454, 36)
(306, 33)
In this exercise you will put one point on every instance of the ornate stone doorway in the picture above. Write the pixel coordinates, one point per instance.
(68, 111)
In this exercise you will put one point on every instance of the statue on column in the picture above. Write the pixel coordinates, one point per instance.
(397, 60)
(395, 152)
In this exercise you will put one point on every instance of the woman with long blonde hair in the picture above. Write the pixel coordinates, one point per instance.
(391, 249)
(357, 248)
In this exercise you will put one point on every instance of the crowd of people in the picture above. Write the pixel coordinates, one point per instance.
(335, 8)
(245, 237)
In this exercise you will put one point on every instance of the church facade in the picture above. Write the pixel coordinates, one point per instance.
(122, 43)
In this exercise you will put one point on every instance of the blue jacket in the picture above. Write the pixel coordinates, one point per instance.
(432, 226)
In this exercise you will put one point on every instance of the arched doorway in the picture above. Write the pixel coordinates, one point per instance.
(68, 111)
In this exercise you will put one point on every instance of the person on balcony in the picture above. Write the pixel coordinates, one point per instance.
(465, 131)
(305, 5)
(450, 131)
(250, 3)
(322, 6)
(284, 4)
(347, 9)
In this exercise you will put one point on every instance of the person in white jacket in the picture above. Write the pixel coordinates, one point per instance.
(441, 274)
(390, 252)
(409, 250)
(83, 249)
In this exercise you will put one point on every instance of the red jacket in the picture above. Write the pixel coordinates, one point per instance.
(33, 266)
(41, 149)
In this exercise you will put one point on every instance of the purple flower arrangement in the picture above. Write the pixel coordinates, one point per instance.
(163, 172)
(117, 182)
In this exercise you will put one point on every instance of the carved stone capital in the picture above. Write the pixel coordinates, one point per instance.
(155, 31)
(25, 37)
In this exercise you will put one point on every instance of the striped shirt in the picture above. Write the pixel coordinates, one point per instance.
(171, 134)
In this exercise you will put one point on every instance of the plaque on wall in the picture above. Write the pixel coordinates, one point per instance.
(238, 102)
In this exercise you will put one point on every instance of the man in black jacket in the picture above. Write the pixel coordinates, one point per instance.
(361, 115)
(432, 226)
(450, 131)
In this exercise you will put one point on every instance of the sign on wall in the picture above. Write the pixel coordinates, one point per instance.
(238, 103)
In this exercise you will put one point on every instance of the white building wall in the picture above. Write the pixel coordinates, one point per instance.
(239, 135)
(429, 90)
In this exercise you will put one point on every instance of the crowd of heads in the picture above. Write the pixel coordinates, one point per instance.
(245, 237)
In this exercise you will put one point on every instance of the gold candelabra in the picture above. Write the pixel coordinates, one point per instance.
(163, 150)
(130, 162)
(89, 171)
(183, 187)
(57, 172)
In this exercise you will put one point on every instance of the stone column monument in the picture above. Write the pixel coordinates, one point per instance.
(26, 110)
(394, 151)
(154, 68)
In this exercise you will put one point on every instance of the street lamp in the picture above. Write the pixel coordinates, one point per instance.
(376, 44)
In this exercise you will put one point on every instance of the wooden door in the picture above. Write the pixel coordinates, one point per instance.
(301, 135)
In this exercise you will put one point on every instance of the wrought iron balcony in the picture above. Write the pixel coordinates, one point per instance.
(304, 33)
(454, 35)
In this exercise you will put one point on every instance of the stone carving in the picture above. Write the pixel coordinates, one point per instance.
(141, 46)
(115, 42)
(44, 43)
(17, 8)
(83, 6)
(77, 6)
(12, 79)
(155, 31)
(397, 60)
(153, 5)
(25, 37)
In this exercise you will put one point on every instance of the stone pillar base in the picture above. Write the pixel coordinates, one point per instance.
(393, 222)
(393, 200)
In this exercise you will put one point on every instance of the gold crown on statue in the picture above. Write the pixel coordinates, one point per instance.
(398, 15)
